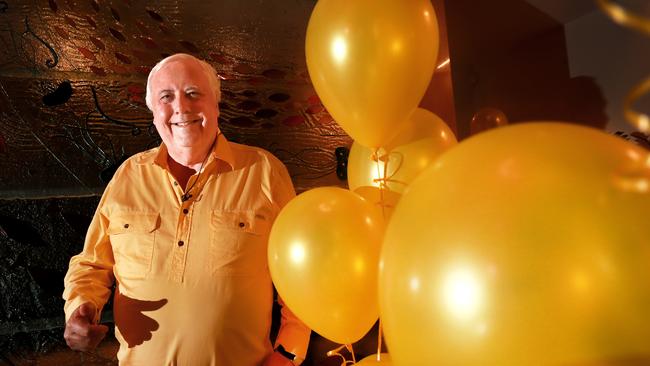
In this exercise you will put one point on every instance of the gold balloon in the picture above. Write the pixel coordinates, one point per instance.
(372, 361)
(323, 254)
(371, 61)
(425, 137)
(487, 118)
(524, 245)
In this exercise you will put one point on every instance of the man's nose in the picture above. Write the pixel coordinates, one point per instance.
(181, 105)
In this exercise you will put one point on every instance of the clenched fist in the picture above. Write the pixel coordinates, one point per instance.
(81, 334)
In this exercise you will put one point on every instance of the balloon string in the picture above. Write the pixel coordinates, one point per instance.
(381, 179)
(351, 350)
(640, 120)
(624, 17)
(642, 24)
(379, 341)
(382, 186)
(385, 178)
(335, 352)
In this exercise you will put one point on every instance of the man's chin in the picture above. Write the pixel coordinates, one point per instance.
(185, 144)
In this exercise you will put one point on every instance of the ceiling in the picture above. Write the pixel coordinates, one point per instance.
(565, 11)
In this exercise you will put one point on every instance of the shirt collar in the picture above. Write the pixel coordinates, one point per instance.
(220, 151)
(223, 151)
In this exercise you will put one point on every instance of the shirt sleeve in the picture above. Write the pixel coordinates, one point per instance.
(90, 273)
(293, 334)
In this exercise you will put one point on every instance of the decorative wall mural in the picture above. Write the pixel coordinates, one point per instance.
(72, 87)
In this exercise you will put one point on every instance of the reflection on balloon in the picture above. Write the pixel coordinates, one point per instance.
(522, 246)
(487, 118)
(425, 137)
(297, 253)
(462, 293)
(323, 254)
(371, 61)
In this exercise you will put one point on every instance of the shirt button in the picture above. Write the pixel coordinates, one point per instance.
(180, 243)
(175, 183)
(241, 224)
(126, 226)
(185, 211)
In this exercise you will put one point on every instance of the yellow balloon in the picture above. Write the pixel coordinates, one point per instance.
(425, 137)
(524, 245)
(323, 254)
(371, 61)
(372, 361)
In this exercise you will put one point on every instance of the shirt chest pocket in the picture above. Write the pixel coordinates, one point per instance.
(238, 243)
(133, 236)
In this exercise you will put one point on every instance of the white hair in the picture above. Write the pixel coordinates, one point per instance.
(210, 74)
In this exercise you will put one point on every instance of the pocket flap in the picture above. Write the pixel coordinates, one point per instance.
(245, 221)
(125, 223)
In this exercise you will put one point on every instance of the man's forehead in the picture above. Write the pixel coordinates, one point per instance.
(177, 71)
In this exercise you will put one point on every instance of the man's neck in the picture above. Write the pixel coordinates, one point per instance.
(181, 172)
(187, 158)
(184, 163)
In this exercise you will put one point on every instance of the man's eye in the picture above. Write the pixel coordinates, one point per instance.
(193, 94)
(165, 98)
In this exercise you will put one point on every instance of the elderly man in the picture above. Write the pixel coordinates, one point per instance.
(183, 229)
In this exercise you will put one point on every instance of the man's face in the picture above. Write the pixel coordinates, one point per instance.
(185, 108)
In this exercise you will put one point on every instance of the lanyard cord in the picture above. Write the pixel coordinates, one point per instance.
(187, 195)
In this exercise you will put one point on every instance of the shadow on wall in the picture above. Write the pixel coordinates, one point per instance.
(532, 82)
(579, 100)
(514, 58)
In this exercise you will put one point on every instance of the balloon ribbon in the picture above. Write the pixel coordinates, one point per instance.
(335, 352)
(382, 185)
(642, 24)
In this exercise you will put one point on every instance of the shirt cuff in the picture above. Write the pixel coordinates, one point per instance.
(295, 341)
(71, 305)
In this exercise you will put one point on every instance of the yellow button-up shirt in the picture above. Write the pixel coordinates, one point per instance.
(193, 285)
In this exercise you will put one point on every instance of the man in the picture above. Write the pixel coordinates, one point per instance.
(183, 230)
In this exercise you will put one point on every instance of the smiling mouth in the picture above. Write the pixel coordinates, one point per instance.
(185, 123)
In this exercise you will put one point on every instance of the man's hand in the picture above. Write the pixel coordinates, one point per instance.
(80, 332)
(276, 359)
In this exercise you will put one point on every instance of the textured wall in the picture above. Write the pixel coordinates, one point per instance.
(72, 79)
(37, 238)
